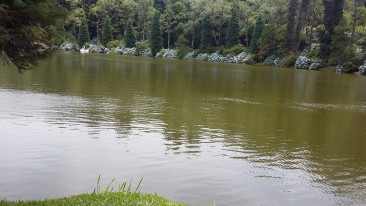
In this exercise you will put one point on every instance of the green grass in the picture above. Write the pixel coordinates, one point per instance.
(122, 196)
(108, 198)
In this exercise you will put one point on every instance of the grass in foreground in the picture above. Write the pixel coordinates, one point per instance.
(107, 198)
(123, 196)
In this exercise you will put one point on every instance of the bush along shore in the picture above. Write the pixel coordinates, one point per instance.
(122, 195)
(236, 55)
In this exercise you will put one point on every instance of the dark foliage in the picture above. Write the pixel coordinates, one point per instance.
(106, 30)
(232, 35)
(155, 36)
(333, 12)
(83, 33)
(290, 31)
(27, 30)
(257, 33)
(206, 36)
(130, 37)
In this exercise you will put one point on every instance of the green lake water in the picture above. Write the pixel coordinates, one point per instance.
(197, 132)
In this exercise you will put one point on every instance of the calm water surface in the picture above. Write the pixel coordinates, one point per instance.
(197, 132)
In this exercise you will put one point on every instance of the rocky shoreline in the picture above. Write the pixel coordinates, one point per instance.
(303, 61)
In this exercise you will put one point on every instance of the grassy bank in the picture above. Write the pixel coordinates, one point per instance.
(107, 198)
(123, 196)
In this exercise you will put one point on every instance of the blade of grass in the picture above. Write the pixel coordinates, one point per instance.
(98, 185)
(122, 187)
(138, 186)
(109, 185)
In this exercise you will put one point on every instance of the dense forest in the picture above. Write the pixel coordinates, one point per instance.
(329, 32)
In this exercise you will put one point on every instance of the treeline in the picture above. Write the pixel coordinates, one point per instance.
(331, 30)
(334, 30)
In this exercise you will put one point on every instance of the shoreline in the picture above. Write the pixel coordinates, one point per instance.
(325, 68)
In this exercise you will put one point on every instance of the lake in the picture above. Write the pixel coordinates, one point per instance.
(197, 132)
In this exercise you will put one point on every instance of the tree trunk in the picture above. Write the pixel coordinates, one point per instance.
(143, 30)
(301, 22)
(169, 31)
(247, 34)
(290, 30)
(98, 29)
(333, 13)
(192, 34)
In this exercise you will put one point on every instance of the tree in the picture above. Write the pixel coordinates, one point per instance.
(155, 35)
(205, 35)
(232, 35)
(159, 5)
(247, 9)
(98, 10)
(358, 14)
(106, 30)
(130, 38)
(342, 47)
(144, 9)
(333, 12)
(168, 19)
(192, 13)
(290, 31)
(27, 30)
(304, 9)
(257, 33)
(271, 42)
(217, 13)
(83, 33)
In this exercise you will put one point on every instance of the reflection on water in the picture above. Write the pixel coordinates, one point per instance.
(197, 132)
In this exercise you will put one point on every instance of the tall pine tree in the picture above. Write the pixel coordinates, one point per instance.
(232, 35)
(130, 37)
(257, 33)
(290, 30)
(83, 33)
(342, 47)
(333, 13)
(106, 30)
(206, 37)
(155, 35)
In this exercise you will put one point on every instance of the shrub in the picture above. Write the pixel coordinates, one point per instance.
(235, 50)
(314, 52)
(141, 46)
(205, 58)
(289, 60)
(196, 52)
(362, 43)
(115, 44)
(349, 66)
(161, 53)
(220, 49)
(183, 51)
(353, 64)
(250, 60)
(271, 61)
